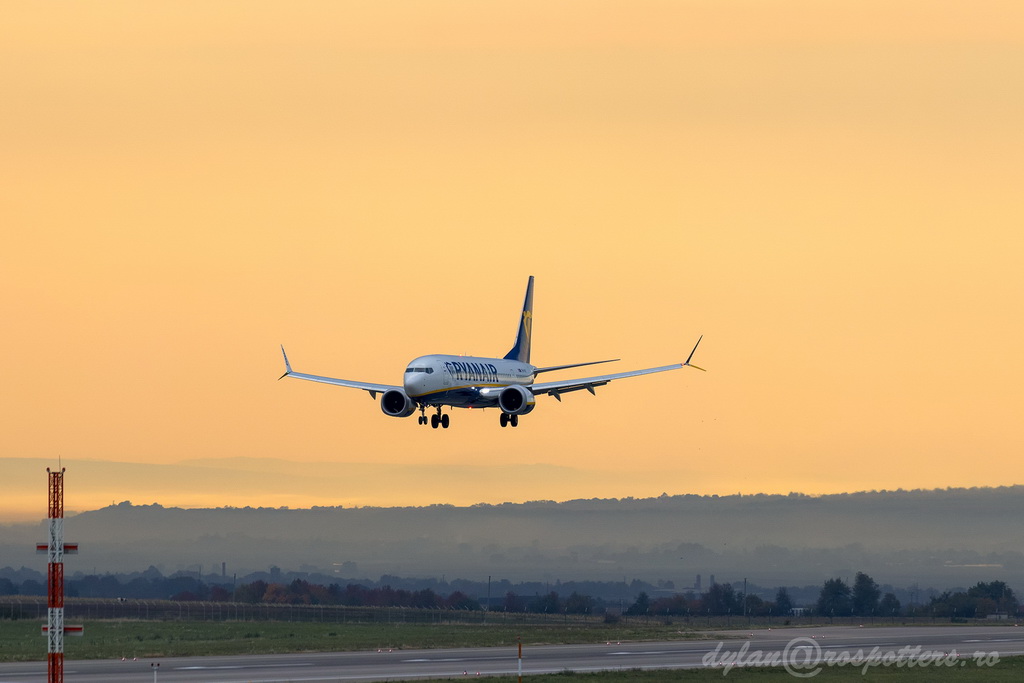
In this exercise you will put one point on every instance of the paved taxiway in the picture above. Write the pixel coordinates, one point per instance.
(469, 662)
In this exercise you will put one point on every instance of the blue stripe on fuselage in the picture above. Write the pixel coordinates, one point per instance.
(461, 397)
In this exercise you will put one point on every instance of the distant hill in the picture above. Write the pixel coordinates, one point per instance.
(942, 538)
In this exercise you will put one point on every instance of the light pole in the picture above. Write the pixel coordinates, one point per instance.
(155, 666)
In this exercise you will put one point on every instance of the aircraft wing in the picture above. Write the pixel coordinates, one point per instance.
(374, 389)
(556, 389)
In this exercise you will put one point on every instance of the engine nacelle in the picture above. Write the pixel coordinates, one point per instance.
(516, 400)
(395, 403)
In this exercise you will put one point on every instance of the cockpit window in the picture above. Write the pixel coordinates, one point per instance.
(426, 370)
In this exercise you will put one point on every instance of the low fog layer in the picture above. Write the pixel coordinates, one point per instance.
(939, 538)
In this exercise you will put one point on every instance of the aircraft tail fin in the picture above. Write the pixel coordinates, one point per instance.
(521, 350)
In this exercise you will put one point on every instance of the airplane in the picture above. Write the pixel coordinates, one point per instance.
(507, 383)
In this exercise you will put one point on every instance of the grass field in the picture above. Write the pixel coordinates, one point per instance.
(20, 640)
(1010, 669)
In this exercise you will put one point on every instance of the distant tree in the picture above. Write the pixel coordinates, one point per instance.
(641, 606)
(547, 604)
(179, 583)
(384, 596)
(299, 592)
(353, 595)
(459, 600)
(889, 606)
(251, 592)
(980, 600)
(721, 599)
(320, 595)
(1001, 595)
(984, 607)
(834, 599)
(513, 603)
(678, 604)
(7, 587)
(579, 604)
(954, 605)
(426, 598)
(865, 595)
(220, 594)
(755, 606)
(783, 603)
(276, 594)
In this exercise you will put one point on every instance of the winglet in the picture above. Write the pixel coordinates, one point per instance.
(287, 365)
(688, 363)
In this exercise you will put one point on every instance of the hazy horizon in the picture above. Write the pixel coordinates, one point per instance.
(276, 482)
(937, 538)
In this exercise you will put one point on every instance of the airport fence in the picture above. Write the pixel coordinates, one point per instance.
(85, 609)
(88, 609)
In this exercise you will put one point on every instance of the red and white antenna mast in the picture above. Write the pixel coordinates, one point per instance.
(55, 550)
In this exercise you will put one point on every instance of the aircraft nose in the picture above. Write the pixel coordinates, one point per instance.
(413, 384)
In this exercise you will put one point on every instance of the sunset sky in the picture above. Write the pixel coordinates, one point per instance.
(832, 193)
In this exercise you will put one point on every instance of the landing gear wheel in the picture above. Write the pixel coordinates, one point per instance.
(434, 421)
(504, 419)
(422, 419)
(444, 421)
(513, 420)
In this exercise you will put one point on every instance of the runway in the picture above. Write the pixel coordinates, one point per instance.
(803, 648)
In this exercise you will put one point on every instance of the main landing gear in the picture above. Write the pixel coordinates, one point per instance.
(436, 420)
(442, 420)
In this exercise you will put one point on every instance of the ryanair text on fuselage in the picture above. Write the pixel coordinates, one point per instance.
(472, 372)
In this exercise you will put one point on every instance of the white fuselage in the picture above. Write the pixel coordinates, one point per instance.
(463, 381)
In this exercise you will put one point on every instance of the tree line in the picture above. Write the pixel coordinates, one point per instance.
(301, 592)
(865, 599)
(720, 599)
(836, 598)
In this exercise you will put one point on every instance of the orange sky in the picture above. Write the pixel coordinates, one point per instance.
(829, 192)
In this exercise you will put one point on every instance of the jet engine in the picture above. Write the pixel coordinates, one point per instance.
(516, 400)
(395, 403)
